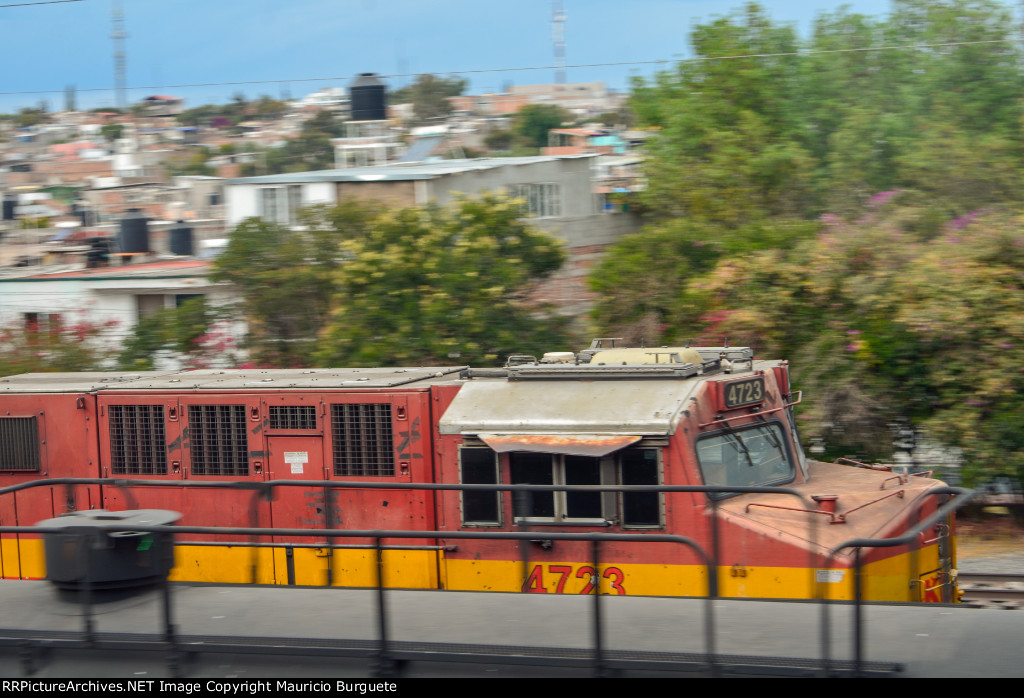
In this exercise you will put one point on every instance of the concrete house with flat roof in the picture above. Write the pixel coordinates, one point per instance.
(559, 192)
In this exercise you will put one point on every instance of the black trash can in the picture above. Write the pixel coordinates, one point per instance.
(98, 547)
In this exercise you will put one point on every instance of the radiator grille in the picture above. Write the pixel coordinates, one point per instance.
(293, 417)
(19, 443)
(137, 440)
(363, 444)
(218, 444)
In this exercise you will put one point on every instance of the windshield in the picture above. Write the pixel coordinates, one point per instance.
(745, 456)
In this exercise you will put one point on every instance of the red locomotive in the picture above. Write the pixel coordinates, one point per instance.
(666, 417)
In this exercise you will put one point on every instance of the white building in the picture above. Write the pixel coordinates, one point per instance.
(558, 190)
(112, 298)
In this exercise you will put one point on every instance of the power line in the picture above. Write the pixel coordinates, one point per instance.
(699, 59)
(45, 2)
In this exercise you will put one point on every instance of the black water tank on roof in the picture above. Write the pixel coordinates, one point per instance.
(8, 209)
(368, 98)
(181, 239)
(134, 235)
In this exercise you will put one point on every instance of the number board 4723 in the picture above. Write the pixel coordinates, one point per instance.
(745, 392)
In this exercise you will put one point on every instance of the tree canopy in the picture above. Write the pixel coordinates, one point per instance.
(442, 285)
(780, 133)
(285, 279)
(429, 95)
(533, 121)
(193, 333)
(367, 286)
(310, 150)
(847, 202)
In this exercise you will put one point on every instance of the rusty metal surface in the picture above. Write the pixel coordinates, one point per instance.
(855, 487)
(579, 406)
(593, 445)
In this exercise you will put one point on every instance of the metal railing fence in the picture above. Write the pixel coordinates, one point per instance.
(385, 661)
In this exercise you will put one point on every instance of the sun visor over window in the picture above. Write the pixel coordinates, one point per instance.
(606, 407)
(593, 445)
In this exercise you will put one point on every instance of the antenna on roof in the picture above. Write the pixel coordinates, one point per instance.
(118, 35)
(558, 35)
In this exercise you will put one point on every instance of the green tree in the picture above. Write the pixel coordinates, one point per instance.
(30, 117)
(311, 149)
(194, 333)
(267, 107)
(533, 121)
(194, 164)
(111, 132)
(729, 149)
(429, 95)
(499, 140)
(647, 286)
(285, 279)
(885, 327)
(441, 286)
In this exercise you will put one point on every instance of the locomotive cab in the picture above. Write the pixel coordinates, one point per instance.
(710, 416)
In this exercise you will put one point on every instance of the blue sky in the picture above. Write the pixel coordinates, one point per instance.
(172, 42)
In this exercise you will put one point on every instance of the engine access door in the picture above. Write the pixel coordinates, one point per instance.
(382, 438)
(294, 425)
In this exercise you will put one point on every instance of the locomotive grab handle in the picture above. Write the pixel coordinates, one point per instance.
(901, 479)
(941, 533)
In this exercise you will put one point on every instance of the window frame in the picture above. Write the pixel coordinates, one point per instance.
(612, 503)
(498, 521)
(660, 472)
(280, 204)
(543, 199)
(787, 449)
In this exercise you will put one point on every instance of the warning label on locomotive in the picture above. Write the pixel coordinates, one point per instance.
(830, 576)
(296, 459)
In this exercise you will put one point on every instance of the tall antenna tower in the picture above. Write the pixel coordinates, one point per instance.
(118, 35)
(558, 36)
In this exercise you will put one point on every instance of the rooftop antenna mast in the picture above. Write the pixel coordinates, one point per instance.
(118, 35)
(558, 36)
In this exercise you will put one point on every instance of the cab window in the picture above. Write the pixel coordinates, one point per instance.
(755, 455)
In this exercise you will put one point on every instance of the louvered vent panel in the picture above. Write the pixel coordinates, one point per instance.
(292, 417)
(217, 438)
(363, 443)
(19, 443)
(137, 440)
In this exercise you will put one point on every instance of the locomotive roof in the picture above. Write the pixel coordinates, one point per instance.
(233, 379)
